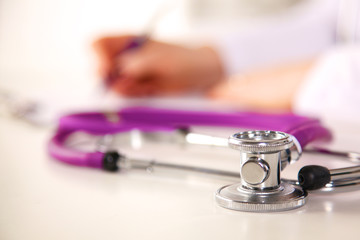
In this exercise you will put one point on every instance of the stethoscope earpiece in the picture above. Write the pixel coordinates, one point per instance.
(313, 177)
(110, 161)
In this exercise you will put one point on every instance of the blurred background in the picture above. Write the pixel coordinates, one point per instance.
(45, 46)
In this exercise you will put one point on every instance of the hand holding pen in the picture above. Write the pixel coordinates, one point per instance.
(138, 66)
(131, 45)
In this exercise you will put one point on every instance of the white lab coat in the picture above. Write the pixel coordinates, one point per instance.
(310, 29)
(297, 32)
(332, 88)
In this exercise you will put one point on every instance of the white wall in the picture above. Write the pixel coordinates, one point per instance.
(52, 38)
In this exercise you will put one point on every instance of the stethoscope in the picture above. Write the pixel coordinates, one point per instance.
(264, 153)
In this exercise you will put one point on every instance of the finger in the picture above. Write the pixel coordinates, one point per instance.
(107, 49)
(144, 91)
(109, 46)
(137, 67)
(136, 79)
(224, 90)
(132, 88)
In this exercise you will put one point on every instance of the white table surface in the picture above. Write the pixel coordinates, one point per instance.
(42, 198)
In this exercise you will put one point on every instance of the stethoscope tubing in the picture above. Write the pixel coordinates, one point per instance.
(305, 130)
(148, 119)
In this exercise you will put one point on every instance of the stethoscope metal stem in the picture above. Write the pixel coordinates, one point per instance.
(340, 177)
(349, 173)
(351, 156)
(341, 186)
(337, 179)
(153, 166)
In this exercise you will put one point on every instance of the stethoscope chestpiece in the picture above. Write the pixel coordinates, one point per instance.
(260, 188)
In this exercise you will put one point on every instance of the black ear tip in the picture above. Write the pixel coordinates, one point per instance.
(110, 161)
(313, 177)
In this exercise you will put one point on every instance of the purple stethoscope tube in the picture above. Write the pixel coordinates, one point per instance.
(148, 119)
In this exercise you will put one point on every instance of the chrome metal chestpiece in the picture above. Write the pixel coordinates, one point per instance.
(263, 154)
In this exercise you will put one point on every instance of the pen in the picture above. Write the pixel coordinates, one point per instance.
(134, 44)
(137, 42)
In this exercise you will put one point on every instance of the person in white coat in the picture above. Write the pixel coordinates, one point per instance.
(291, 63)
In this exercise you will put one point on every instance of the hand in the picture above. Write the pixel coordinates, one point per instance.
(157, 68)
(271, 89)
